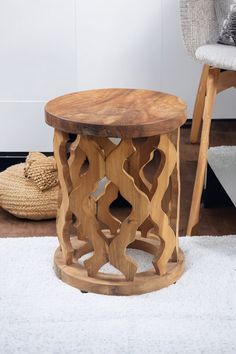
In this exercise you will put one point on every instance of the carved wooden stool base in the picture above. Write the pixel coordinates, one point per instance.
(111, 284)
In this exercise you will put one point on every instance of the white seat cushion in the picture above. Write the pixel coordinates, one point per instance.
(218, 55)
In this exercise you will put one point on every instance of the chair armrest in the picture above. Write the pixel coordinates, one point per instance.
(199, 23)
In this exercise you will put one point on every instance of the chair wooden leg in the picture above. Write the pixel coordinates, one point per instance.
(199, 106)
(211, 92)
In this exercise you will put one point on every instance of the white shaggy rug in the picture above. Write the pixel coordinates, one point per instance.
(222, 160)
(40, 314)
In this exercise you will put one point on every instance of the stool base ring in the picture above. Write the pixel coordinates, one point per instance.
(112, 284)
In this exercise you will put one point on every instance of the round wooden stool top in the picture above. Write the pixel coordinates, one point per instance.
(122, 113)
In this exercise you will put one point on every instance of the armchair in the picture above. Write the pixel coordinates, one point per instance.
(201, 22)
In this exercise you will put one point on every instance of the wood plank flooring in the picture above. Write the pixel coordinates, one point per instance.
(214, 221)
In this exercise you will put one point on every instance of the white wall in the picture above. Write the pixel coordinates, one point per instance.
(50, 47)
(119, 43)
(37, 62)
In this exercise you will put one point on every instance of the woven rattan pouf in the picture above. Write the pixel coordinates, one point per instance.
(30, 190)
(147, 123)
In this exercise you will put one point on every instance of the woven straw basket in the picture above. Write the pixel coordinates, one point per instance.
(24, 194)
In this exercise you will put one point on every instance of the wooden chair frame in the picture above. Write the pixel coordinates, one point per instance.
(212, 82)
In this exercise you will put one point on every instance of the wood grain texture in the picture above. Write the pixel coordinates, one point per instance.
(211, 92)
(113, 284)
(64, 215)
(103, 208)
(140, 208)
(174, 207)
(144, 152)
(75, 162)
(135, 166)
(124, 113)
(83, 205)
(213, 81)
(159, 217)
(153, 210)
(199, 106)
(109, 194)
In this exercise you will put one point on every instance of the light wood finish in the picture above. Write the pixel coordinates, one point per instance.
(216, 81)
(104, 215)
(158, 216)
(199, 106)
(119, 164)
(123, 113)
(211, 92)
(140, 208)
(154, 209)
(64, 216)
(75, 162)
(144, 153)
(175, 194)
(83, 205)
(107, 284)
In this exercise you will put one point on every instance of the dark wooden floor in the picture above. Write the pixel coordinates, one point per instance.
(213, 221)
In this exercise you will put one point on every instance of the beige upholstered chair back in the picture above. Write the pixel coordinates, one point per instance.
(201, 21)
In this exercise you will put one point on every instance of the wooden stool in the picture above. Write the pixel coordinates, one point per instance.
(147, 122)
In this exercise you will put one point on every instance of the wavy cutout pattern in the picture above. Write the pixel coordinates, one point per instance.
(158, 216)
(83, 204)
(142, 156)
(64, 216)
(110, 192)
(144, 152)
(146, 199)
(140, 208)
(76, 161)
